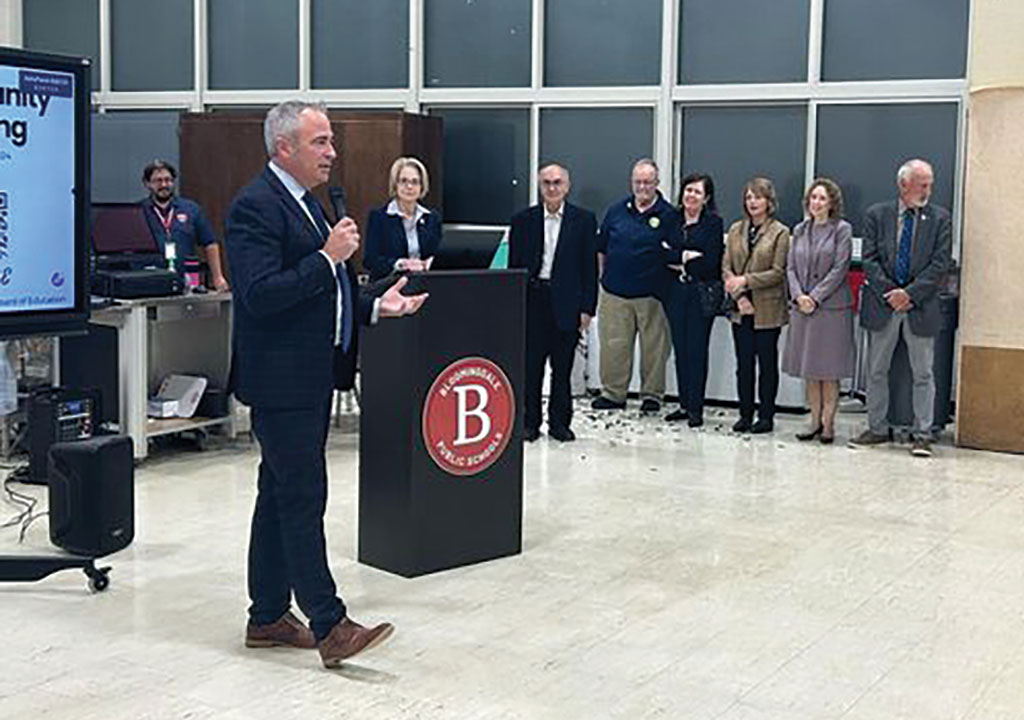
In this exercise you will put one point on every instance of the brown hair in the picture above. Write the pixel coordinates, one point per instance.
(147, 172)
(761, 187)
(835, 197)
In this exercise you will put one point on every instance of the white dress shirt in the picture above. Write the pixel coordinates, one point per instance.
(552, 226)
(411, 225)
(298, 192)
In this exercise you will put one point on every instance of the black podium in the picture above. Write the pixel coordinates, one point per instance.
(440, 445)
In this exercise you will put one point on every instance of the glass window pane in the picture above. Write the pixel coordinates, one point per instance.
(68, 27)
(486, 164)
(146, 60)
(253, 44)
(862, 147)
(602, 42)
(599, 146)
(125, 142)
(346, 33)
(734, 144)
(730, 41)
(476, 43)
(869, 39)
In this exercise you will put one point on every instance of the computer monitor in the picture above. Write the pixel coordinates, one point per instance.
(467, 249)
(121, 229)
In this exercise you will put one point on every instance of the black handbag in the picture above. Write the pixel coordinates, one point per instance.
(712, 296)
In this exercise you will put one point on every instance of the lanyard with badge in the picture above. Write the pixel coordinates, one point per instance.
(170, 249)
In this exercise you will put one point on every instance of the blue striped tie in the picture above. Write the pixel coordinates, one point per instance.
(339, 270)
(902, 269)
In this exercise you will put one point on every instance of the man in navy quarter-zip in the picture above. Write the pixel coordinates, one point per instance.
(634, 278)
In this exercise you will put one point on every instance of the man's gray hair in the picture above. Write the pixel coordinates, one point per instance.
(283, 121)
(649, 162)
(910, 167)
(554, 163)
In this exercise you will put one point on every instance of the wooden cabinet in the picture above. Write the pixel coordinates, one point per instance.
(222, 151)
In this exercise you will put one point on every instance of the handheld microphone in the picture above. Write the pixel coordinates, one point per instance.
(337, 196)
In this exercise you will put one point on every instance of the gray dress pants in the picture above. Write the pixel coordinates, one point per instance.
(921, 350)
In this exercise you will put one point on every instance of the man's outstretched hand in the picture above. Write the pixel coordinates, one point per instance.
(394, 304)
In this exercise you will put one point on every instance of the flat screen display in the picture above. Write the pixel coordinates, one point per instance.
(44, 162)
(119, 228)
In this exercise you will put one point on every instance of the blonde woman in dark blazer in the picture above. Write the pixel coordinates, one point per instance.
(754, 270)
(819, 345)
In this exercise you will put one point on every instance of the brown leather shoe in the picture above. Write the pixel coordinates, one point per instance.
(348, 638)
(287, 631)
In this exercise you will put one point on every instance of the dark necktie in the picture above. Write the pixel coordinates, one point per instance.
(902, 269)
(344, 285)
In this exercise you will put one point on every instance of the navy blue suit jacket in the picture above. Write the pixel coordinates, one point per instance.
(285, 295)
(574, 270)
(386, 243)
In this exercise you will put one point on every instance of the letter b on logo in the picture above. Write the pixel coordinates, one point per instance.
(464, 412)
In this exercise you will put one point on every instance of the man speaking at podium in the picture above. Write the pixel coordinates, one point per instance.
(297, 304)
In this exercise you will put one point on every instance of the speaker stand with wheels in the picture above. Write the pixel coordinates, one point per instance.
(91, 510)
(29, 568)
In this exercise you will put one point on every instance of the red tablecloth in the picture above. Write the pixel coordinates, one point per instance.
(856, 280)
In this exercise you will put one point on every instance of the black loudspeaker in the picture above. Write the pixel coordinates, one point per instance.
(92, 495)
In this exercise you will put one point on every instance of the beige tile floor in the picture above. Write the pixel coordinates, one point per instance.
(666, 573)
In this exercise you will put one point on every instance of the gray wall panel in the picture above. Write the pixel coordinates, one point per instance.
(743, 41)
(125, 142)
(862, 146)
(476, 43)
(253, 44)
(734, 144)
(147, 60)
(601, 42)
(599, 146)
(360, 44)
(886, 40)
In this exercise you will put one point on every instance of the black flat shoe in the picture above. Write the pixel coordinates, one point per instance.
(676, 415)
(826, 439)
(603, 403)
(762, 426)
(694, 421)
(561, 434)
(650, 406)
(805, 436)
(531, 434)
(741, 426)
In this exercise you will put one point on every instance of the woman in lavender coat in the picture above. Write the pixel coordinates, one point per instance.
(819, 346)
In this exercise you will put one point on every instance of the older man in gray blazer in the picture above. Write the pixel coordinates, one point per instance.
(906, 252)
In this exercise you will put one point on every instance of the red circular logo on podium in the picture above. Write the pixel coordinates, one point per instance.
(468, 416)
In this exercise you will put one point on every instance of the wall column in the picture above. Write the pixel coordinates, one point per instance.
(990, 389)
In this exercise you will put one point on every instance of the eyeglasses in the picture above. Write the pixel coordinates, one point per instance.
(408, 181)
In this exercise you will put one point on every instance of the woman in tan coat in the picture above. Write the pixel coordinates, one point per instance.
(754, 270)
